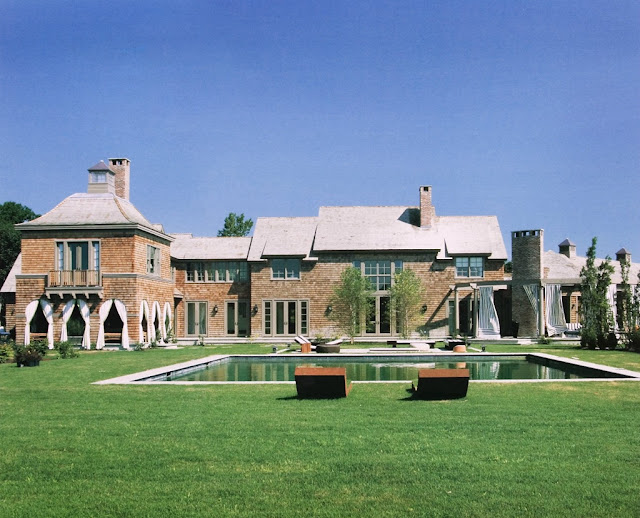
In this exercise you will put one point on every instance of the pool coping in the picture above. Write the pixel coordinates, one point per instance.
(142, 377)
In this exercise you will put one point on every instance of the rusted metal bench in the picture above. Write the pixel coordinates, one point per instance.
(322, 382)
(442, 384)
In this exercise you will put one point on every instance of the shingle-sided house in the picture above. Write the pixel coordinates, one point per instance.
(546, 284)
(94, 268)
(95, 264)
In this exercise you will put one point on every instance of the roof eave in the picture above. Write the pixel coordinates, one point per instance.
(117, 226)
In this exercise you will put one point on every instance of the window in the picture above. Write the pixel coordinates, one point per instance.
(285, 269)
(153, 260)
(379, 273)
(77, 255)
(469, 267)
(98, 177)
(217, 271)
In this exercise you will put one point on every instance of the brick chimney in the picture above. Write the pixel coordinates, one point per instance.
(121, 168)
(567, 248)
(427, 210)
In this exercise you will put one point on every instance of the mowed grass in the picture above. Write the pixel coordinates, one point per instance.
(70, 448)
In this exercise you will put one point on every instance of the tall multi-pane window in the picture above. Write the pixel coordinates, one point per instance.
(153, 260)
(379, 273)
(217, 271)
(469, 266)
(285, 269)
(75, 255)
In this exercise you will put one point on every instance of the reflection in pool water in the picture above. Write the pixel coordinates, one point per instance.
(371, 369)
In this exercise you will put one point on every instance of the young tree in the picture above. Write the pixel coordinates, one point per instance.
(350, 301)
(235, 226)
(625, 306)
(10, 214)
(407, 293)
(597, 318)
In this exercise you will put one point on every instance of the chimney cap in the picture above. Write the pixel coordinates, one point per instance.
(567, 242)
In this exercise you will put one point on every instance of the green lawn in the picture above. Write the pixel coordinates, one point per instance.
(70, 448)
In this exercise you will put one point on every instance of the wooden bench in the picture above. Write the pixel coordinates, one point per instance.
(442, 383)
(322, 382)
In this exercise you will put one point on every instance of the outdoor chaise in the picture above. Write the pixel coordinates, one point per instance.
(442, 384)
(305, 345)
(322, 382)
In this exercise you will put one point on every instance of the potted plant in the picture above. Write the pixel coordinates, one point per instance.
(29, 355)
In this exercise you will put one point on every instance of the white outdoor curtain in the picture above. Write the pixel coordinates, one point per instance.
(66, 315)
(554, 312)
(533, 294)
(122, 313)
(155, 314)
(103, 313)
(85, 312)
(29, 313)
(144, 312)
(488, 323)
(47, 309)
(611, 298)
(166, 315)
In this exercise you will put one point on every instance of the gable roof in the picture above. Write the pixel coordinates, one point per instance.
(370, 229)
(93, 210)
(373, 229)
(275, 237)
(202, 248)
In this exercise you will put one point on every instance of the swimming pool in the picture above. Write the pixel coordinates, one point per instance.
(376, 368)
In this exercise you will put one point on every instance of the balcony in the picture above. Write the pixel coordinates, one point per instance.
(72, 282)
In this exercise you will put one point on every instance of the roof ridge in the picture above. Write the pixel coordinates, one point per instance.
(122, 211)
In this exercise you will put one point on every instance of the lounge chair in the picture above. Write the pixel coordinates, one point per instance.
(305, 345)
(322, 382)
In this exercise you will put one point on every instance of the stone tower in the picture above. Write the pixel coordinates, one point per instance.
(526, 257)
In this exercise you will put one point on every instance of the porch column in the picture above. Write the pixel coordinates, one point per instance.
(456, 312)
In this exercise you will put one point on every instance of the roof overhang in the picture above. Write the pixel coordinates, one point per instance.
(26, 227)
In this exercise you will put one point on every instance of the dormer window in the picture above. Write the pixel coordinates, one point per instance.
(287, 269)
(469, 267)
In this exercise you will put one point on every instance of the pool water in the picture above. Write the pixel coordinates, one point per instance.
(267, 369)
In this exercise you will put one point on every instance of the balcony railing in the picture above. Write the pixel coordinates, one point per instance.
(74, 278)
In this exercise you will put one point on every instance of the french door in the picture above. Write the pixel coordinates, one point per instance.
(237, 318)
(286, 317)
(378, 316)
(196, 318)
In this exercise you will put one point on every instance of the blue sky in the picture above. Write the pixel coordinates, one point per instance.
(529, 110)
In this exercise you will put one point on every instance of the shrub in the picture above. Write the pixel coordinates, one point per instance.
(612, 341)
(66, 350)
(634, 340)
(5, 350)
(588, 339)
